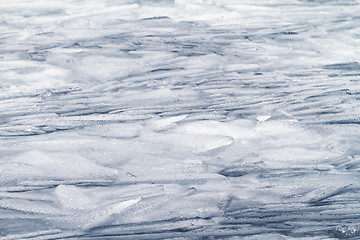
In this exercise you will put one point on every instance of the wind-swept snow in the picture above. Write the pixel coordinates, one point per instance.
(183, 119)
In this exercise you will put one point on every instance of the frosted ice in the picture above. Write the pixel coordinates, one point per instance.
(204, 119)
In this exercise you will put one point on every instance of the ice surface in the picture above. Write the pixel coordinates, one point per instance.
(203, 119)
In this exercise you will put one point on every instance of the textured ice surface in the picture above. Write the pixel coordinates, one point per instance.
(204, 119)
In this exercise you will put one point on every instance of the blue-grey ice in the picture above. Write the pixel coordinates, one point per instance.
(179, 119)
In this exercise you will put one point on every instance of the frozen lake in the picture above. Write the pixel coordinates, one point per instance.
(187, 119)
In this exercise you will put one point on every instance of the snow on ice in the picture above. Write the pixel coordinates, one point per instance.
(204, 119)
